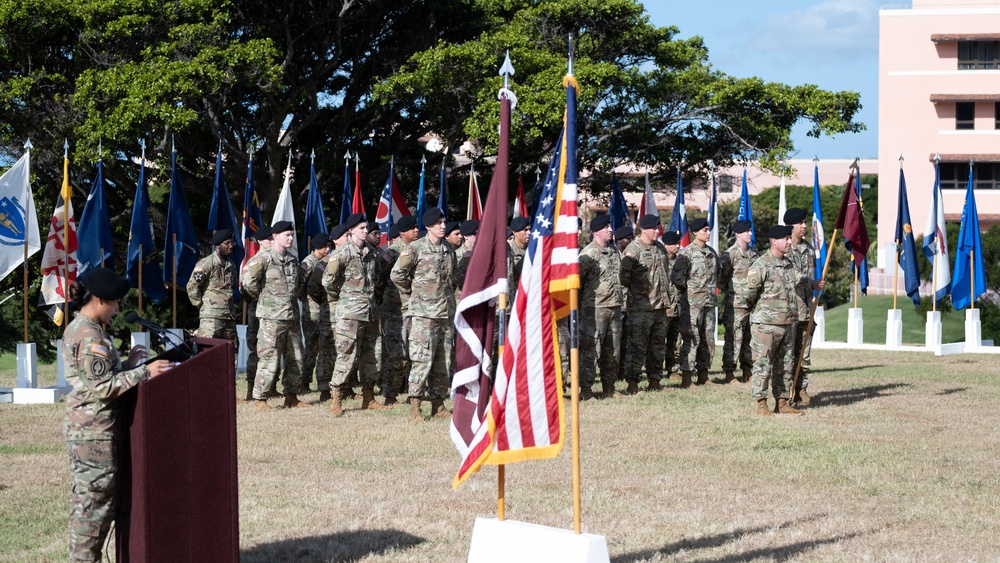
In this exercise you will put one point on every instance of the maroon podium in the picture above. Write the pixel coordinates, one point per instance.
(177, 477)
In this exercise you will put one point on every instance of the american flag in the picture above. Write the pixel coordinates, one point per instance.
(525, 417)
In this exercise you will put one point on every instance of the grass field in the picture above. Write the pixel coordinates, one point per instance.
(897, 461)
(875, 311)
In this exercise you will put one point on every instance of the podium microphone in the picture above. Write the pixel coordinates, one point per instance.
(159, 331)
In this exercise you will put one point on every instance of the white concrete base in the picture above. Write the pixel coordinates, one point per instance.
(894, 328)
(932, 331)
(60, 367)
(27, 390)
(973, 330)
(855, 327)
(244, 353)
(140, 339)
(494, 541)
(27, 366)
(6, 396)
(41, 396)
(819, 334)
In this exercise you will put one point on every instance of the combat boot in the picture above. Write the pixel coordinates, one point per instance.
(762, 408)
(324, 396)
(633, 388)
(730, 377)
(686, 378)
(784, 408)
(390, 401)
(261, 405)
(608, 390)
(586, 393)
(747, 373)
(654, 385)
(336, 409)
(368, 402)
(702, 377)
(249, 392)
(415, 414)
(292, 402)
(438, 410)
(803, 397)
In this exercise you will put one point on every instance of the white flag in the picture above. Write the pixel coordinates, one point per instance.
(17, 217)
(283, 210)
(936, 242)
(782, 206)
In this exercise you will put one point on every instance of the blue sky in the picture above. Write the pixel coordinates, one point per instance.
(831, 43)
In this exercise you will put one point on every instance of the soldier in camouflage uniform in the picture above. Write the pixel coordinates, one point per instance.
(374, 237)
(272, 280)
(328, 315)
(469, 229)
(803, 257)
(210, 289)
(645, 278)
(520, 229)
(770, 290)
(736, 260)
(424, 275)
(94, 371)
(600, 310)
(352, 268)
(315, 321)
(393, 315)
(671, 242)
(453, 235)
(263, 238)
(624, 236)
(696, 274)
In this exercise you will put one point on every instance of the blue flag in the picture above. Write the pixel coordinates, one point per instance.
(442, 197)
(746, 212)
(536, 194)
(618, 209)
(421, 200)
(180, 247)
(251, 216)
(968, 285)
(863, 268)
(315, 220)
(345, 203)
(141, 248)
(96, 247)
(678, 217)
(906, 246)
(221, 216)
(818, 232)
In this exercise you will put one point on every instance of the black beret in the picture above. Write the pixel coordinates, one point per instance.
(624, 232)
(221, 236)
(518, 224)
(321, 240)
(671, 237)
(373, 227)
(742, 226)
(104, 283)
(510, 233)
(780, 231)
(262, 233)
(405, 223)
(451, 227)
(599, 222)
(795, 215)
(698, 224)
(649, 221)
(281, 227)
(354, 220)
(338, 231)
(393, 232)
(470, 227)
(431, 216)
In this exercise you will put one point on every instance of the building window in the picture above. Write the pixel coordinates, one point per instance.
(955, 175)
(996, 115)
(965, 115)
(974, 55)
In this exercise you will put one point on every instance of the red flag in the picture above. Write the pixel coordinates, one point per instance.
(851, 222)
(357, 204)
(520, 204)
(475, 210)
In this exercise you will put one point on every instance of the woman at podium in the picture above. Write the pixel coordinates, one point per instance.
(94, 369)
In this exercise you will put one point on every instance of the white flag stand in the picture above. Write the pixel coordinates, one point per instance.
(973, 330)
(855, 327)
(27, 390)
(932, 331)
(819, 322)
(244, 353)
(496, 541)
(894, 328)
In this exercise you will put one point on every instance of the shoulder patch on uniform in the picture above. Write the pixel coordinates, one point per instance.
(304, 267)
(99, 350)
(753, 277)
(628, 254)
(198, 267)
(99, 366)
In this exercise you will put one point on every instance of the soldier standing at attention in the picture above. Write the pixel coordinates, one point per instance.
(600, 310)
(771, 292)
(328, 316)
(736, 260)
(453, 235)
(95, 372)
(374, 237)
(272, 279)
(803, 257)
(393, 314)
(210, 289)
(520, 229)
(624, 236)
(352, 267)
(671, 242)
(645, 277)
(696, 274)
(463, 254)
(424, 275)
(263, 238)
(313, 356)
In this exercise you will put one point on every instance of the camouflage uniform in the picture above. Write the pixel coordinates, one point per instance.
(210, 288)
(770, 289)
(313, 326)
(327, 321)
(94, 370)
(736, 311)
(803, 257)
(272, 279)
(515, 260)
(673, 329)
(352, 267)
(696, 274)
(424, 275)
(395, 325)
(600, 313)
(645, 277)
(253, 327)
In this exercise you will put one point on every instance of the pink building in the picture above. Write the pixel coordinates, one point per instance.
(939, 93)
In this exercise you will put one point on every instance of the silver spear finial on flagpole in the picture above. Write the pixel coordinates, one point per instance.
(65, 147)
(570, 72)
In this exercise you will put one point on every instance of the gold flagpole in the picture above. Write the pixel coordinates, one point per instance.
(574, 368)
(812, 315)
(65, 278)
(501, 469)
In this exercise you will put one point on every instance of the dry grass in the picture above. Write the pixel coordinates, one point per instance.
(897, 462)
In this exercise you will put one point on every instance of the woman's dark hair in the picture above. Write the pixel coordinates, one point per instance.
(78, 295)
